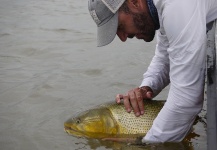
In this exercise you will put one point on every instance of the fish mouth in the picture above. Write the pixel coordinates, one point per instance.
(76, 133)
(67, 129)
(72, 131)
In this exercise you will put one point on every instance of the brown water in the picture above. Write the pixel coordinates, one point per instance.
(50, 68)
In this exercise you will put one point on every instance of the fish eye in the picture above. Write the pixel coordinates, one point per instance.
(78, 121)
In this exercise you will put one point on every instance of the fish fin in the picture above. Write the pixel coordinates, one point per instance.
(122, 140)
(131, 141)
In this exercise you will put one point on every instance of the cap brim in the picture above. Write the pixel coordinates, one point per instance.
(106, 33)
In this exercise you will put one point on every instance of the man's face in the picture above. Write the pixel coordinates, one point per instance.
(139, 25)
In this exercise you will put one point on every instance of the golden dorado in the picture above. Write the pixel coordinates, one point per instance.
(111, 120)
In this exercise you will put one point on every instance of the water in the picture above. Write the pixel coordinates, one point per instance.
(50, 68)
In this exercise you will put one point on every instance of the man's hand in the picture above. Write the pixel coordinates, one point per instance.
(134, 99)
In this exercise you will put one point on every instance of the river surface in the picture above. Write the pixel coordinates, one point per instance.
(50, 69)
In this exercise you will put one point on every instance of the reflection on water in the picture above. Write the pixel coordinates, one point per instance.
(50, 68)
(98, 144)
(120, 146)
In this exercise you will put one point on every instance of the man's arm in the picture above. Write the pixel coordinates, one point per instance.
(157, 75)
(185, 29)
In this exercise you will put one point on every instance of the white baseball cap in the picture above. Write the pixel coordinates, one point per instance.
(105, 15)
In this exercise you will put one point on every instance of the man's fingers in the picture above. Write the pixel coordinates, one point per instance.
(149, 94)
(134, 103)
(133, 100)
(127, 103)
(118, 98)
(139, 98)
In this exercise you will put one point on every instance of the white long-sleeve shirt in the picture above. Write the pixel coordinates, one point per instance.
(179, 60)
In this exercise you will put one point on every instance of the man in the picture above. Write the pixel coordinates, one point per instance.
(179, 56)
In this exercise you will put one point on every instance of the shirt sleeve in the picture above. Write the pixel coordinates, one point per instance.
(157, 75)
(185, 30)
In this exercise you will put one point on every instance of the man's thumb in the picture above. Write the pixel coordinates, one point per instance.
(149, 94)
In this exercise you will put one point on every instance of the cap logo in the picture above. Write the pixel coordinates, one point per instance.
(95, 17)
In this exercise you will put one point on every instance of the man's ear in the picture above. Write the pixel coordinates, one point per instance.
(135, 5)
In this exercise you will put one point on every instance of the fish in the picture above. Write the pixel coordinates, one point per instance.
(110, 120)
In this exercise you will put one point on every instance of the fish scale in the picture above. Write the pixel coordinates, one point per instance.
(129, 124)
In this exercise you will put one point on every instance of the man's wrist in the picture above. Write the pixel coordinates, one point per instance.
(146, 88)
(146, 92)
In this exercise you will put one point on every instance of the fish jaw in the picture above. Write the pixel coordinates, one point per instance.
(72, 131)
(95, 123)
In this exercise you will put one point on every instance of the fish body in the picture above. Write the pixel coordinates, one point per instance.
(112, 120)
